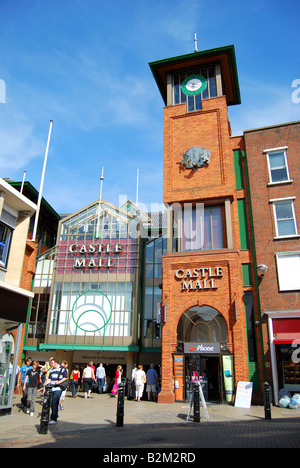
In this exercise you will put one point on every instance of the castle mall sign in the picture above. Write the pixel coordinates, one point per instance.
(116, 255)
(199, 279)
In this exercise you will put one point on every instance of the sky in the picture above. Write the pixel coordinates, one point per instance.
(85, 65)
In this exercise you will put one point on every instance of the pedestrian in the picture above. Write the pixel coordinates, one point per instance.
(133, 390)
(93, 379)
(100, 377)
(152, 378)
(63, 393)
(88, 377)
(43, 378)
(118, 379)
(140, 380)
(21, 379)
(31, 384)
(57, 376)
(75, 376)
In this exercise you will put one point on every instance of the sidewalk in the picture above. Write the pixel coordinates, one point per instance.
(92, 423)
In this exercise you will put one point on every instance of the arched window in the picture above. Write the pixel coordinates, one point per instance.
(201, 325)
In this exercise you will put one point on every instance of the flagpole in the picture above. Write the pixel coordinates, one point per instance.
(41, 185)
(100, 201)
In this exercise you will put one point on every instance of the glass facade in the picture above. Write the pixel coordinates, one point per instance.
(86, 287)
(154, 250)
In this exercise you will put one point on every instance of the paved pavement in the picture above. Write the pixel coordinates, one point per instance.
(91, 423)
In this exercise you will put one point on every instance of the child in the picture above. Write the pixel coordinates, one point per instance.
(32, 380)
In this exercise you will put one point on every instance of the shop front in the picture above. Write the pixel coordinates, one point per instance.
(204, 330)
(203, 340)
(284, 336)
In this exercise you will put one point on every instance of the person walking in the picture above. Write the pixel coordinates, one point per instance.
(140, 380)
(75, 376)
(63, 393)
(152, 378)
(31, 385)
(100, 377)
(21, 379)
(118, 380)
(88, 377)
(57, 376)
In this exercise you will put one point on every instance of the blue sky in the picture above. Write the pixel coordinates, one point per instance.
(84, 64)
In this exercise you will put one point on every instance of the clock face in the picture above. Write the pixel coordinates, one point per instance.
(194, 84)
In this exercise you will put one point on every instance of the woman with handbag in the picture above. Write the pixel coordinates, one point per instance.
(118, 379)
(88, 377)
(140, 380)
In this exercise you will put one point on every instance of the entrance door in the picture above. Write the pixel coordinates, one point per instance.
(206, 368)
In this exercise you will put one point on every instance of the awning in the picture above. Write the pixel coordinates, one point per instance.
(286, 338)
(286, 331)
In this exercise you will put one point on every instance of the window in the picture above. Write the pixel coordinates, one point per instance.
(285, 219)
(278, 167)
(202, 228)
(5, 239)
(288, 270)
(195, 102)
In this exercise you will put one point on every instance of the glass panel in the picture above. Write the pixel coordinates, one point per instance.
(285, 218)
(278, 167)
(191, 104)
(212, 83)
(5, 238)
(284, 210)
(176, 86)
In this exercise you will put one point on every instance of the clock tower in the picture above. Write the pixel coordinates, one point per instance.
(204, 329)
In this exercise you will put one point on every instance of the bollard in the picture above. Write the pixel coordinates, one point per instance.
(46, 410)
(120, 405)
(196, 402)
(267, 400)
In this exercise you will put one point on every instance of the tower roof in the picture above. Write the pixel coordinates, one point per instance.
(223, 55)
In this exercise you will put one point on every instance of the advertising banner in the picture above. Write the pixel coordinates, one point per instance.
(228, 377)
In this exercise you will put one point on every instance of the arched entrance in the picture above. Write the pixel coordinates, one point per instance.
(202, 337)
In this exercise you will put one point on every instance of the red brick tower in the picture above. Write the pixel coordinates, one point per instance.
(209, 255)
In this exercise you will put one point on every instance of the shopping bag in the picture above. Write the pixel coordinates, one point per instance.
(115, 389)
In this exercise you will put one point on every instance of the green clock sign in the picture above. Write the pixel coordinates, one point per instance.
(194, 84)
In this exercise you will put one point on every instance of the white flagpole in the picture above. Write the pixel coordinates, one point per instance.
(100, 201)
(137, 187)
(41, 186)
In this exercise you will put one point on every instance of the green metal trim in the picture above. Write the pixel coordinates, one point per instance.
(244, 154)
(150, 350)
(198, 91)
(48, 346)
(243, 224)
(34, 192)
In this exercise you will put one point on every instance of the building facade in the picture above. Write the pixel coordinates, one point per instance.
(209, 295)
(274, 175)
(98, 291)
(15, 213)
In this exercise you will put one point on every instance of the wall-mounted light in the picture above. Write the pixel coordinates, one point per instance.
(262, 270)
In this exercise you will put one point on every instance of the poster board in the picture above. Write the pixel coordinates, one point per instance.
(243, 395)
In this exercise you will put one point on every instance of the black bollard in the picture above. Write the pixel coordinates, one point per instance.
(46, 410)
(120, 405)
(196, 402)
(267, 400)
